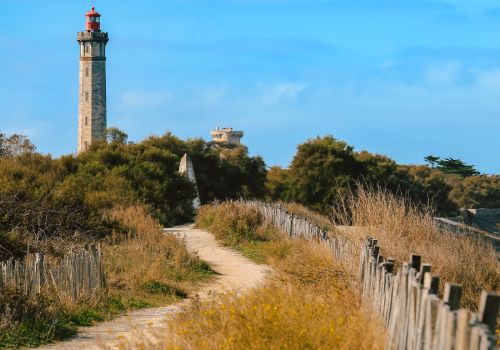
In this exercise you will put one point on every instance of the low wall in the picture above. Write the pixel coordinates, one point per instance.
(480, 213)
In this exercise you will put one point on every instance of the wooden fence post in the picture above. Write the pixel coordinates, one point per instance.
(463, 330)
(424, 269)
(431, 281)
(431, 312)
(452, 295)
(415, 261)
(489, 306)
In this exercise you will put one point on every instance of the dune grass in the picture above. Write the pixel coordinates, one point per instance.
(245, 229)
(403, 227)
(306, 303)
(143, 267)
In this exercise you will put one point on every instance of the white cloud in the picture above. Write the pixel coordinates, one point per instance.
(211, 95)
(489, 79)
(443, 74)
(281, 92)
(140, 100)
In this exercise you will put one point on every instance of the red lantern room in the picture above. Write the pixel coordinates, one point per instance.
(93, 20)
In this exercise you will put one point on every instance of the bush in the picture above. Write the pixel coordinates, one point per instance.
(477, 192)
(324, 168)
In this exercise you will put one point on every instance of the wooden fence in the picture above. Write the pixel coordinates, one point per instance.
(413, 315)
(407, 302)
(78, 274)
(343, 250)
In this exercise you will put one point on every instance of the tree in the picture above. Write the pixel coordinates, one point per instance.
(431, 160)
(221, 173)
(113, 134)
(321, 168)
(456, 166)
(3, 140)
(477, 192)
(325, 167)
(15, 145)
(277, 184)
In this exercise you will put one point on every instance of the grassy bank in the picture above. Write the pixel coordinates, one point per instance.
(244, 228)
(143, 267)
(306, 303)
(403, 227)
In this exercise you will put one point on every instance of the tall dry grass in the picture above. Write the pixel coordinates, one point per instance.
(403, 227)
(244, 227)
(305, 304)
(143, 262)
(302, 212)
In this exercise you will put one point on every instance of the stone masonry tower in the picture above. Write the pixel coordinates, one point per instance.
(186, 168)
(227, 135)
(92, 105)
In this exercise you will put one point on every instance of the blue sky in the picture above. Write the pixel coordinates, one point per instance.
(405, 78)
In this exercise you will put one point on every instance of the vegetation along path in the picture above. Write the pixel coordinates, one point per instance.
(235, 272)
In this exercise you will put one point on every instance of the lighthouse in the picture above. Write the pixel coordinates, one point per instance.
(92, 102)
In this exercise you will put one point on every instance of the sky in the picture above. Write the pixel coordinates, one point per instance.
(404, 78)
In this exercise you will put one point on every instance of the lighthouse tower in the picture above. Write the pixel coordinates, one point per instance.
(92, 105)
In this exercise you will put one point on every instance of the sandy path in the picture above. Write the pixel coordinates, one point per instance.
(235, 270)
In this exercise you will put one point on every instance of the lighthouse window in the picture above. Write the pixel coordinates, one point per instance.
(86, 72)
(86, 145)
(86, 121)
(88, 48)
(87, 97)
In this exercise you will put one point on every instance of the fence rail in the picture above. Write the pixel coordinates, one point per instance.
(413, 315)
(342, 248)
(407, 302)
(78, 274)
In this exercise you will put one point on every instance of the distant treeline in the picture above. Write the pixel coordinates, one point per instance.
(79, 189)
(75, 191)
(325, 167)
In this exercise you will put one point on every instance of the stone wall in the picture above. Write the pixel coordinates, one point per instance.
(227, 135)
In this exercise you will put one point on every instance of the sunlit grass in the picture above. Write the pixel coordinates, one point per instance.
(306, 303)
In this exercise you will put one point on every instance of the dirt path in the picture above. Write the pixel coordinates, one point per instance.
(235, 270)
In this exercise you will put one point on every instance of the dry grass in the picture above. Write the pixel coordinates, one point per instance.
(305, 304)
(304, 212)
(143, 267)
(308, 303)
(403, 227)
(143, 262)
(244, 228)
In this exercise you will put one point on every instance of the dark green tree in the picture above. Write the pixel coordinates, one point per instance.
(321, 168)
(431, 160)
(324, 167)
(277, 184)
(456, 167)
